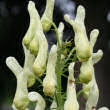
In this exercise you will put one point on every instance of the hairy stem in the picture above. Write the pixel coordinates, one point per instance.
(59, 67)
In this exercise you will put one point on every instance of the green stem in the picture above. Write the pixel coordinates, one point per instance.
(57, 34)
(79, 93)
(58, 73)
(58, 69)
(71, 52)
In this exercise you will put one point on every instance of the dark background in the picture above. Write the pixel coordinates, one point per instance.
(14, 21)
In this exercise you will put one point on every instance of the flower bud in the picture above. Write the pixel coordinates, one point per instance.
(60, 32)
(47, 17)
(93, 97)
(21, 97)
(36, 97)
(71, 102)
(30, 34)
(34, 45)
(81, 41)
(86, 71)
(49, 82)
(87, 68)
(39, 65)
(86, 87)
(49, 85)
(21, 100)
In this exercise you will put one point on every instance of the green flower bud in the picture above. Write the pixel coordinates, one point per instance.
(86, 71)
(47, 17)
(34, 45)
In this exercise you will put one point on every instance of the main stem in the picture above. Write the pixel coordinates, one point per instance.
(58, 73)
(58, 70)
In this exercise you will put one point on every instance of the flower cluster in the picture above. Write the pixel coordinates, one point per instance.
(53, 63)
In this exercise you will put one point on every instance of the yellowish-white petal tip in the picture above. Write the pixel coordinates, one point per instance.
(100, 52)
(81, 9)
(103, 108)
(95, 33)
(9, 60)
(96, 30)
(61, 24)
(66, 17)
(97, 56)
(54, 47)
(33, 96)
(80, 13)
(31, 5)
